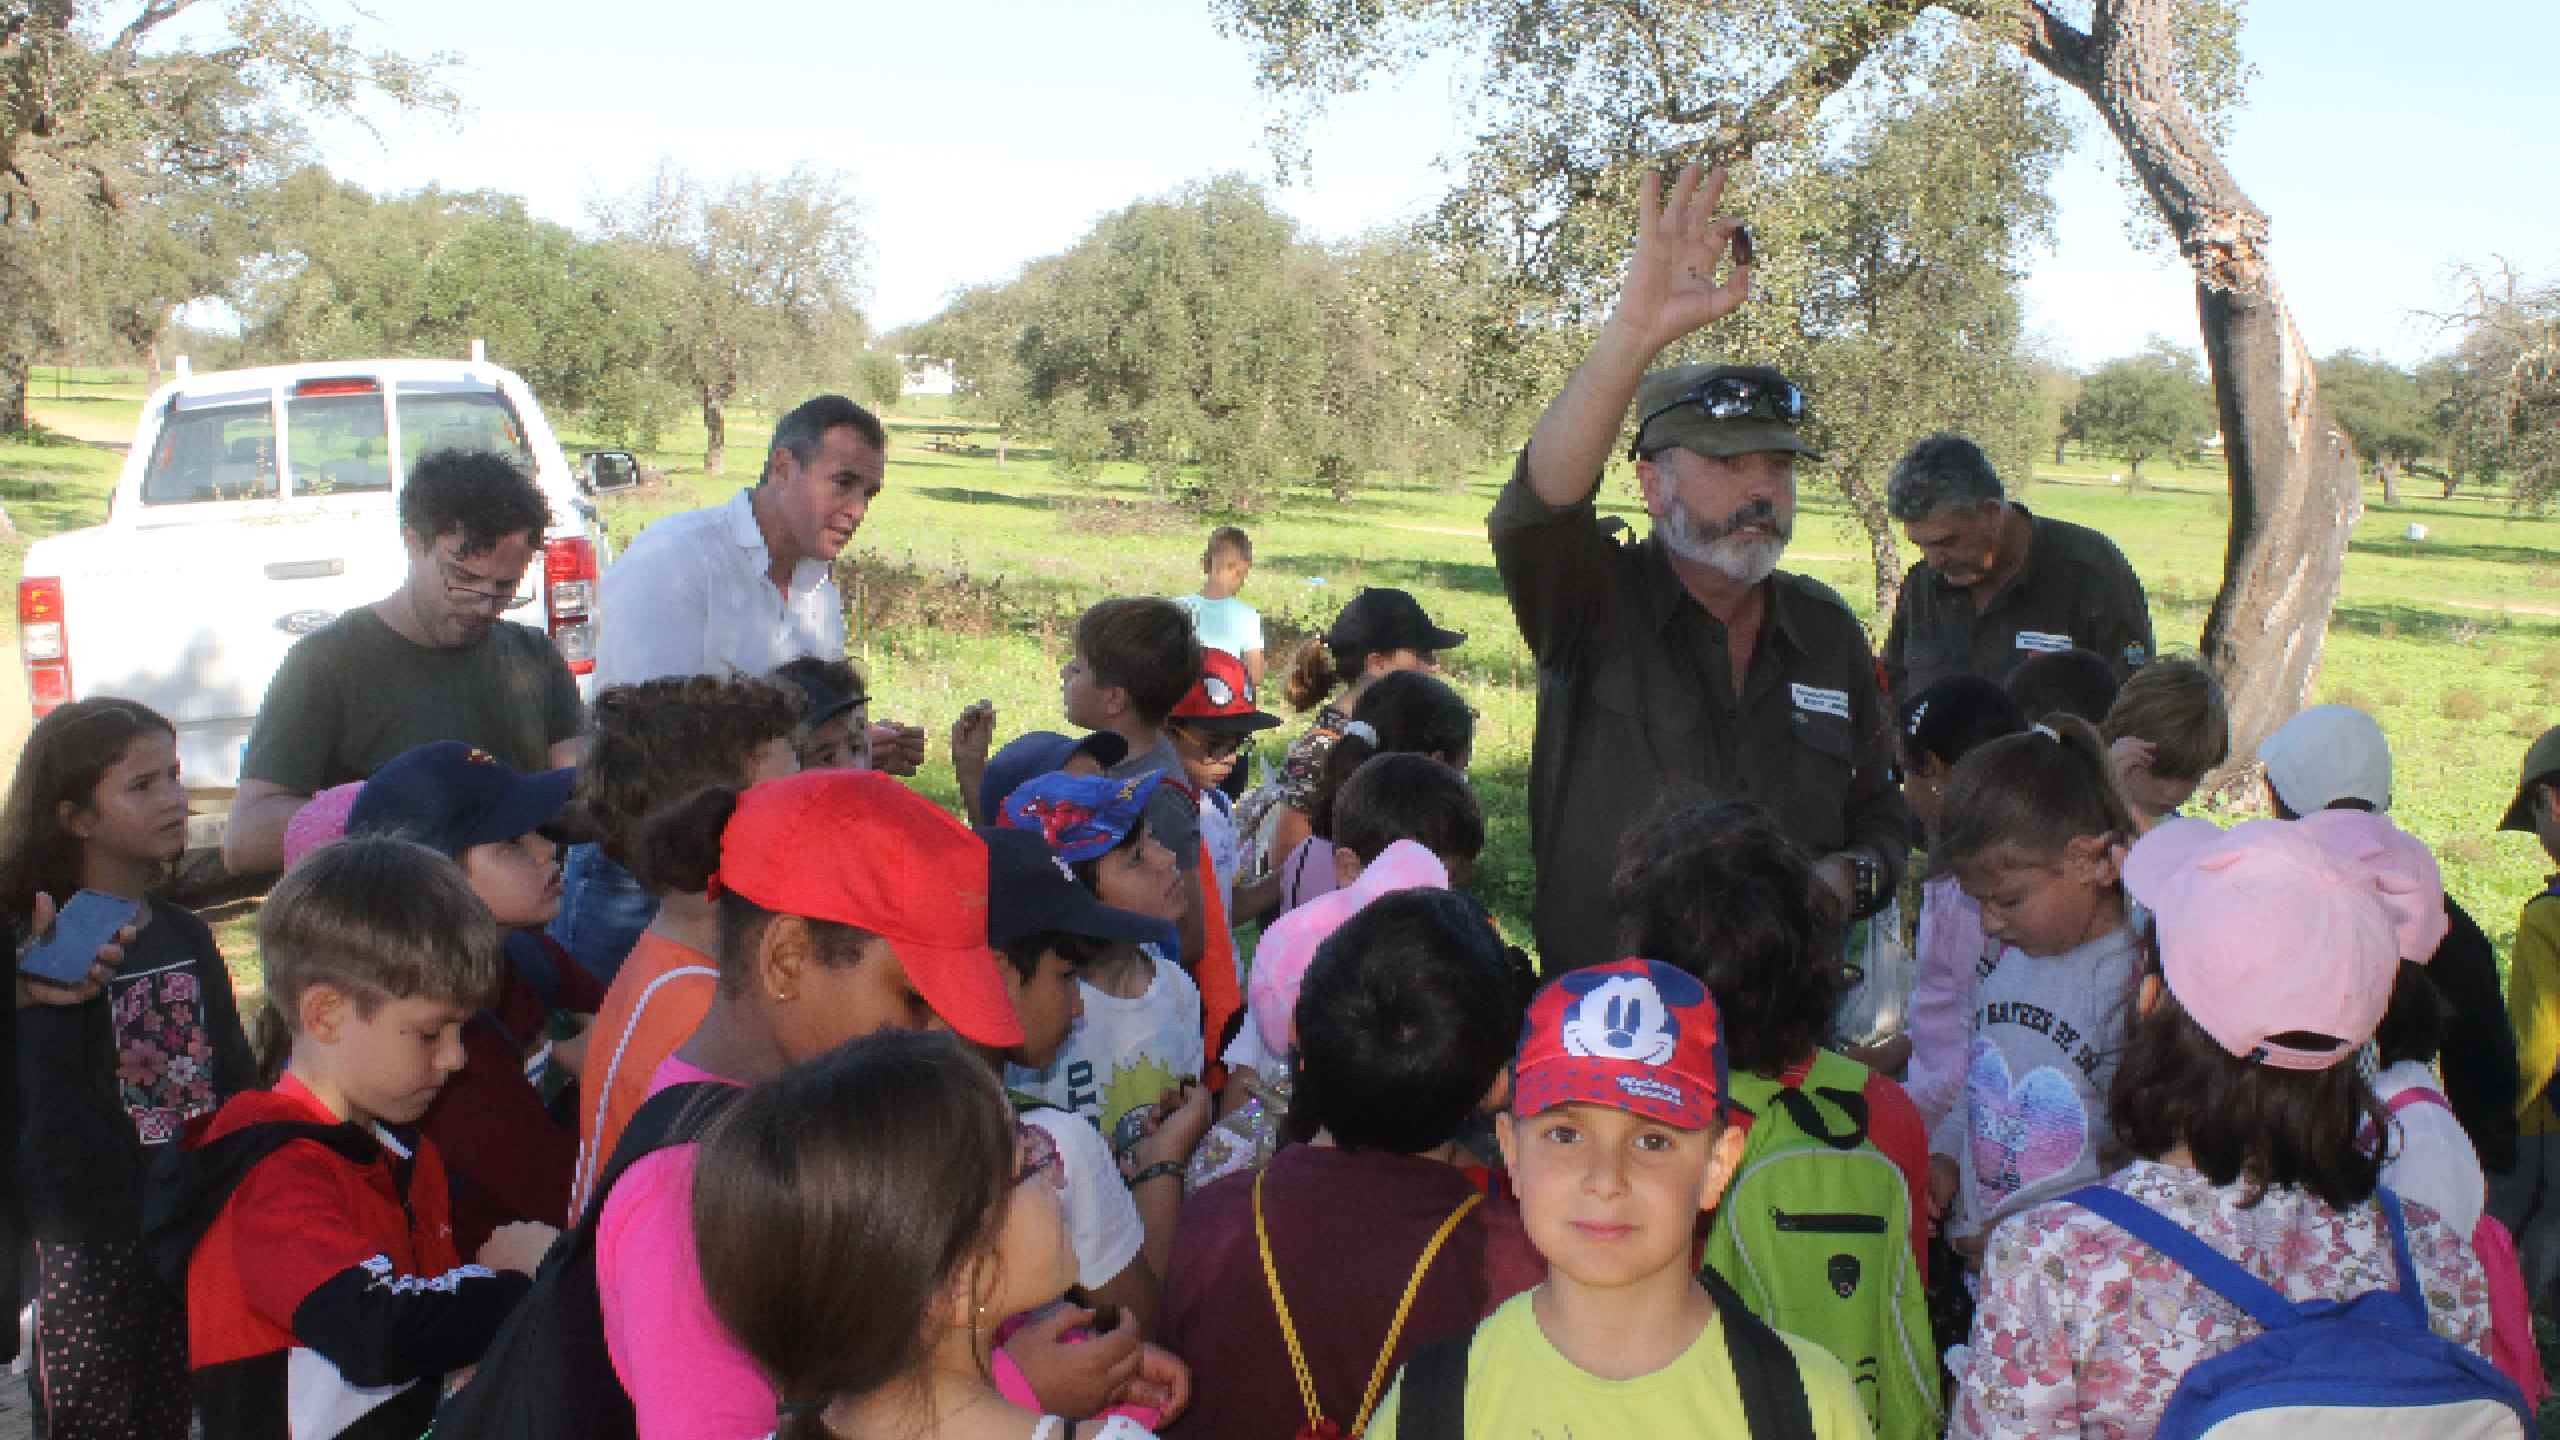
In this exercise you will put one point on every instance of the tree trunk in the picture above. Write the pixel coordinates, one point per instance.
(2294, 496)
(2057, 454)
(2294, 491)
(1872, 516)
(715, 432)
(2390, 484)
(13, 396)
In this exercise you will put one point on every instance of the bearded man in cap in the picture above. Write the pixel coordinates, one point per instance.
(1688, 660)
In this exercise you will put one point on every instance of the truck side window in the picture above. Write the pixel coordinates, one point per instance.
(213, 447)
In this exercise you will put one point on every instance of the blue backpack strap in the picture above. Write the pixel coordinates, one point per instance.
(2216, 1271)
(2411, 1294)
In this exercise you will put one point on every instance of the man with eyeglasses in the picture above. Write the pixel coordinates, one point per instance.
(433, 660)
(1995, 585)
(1688, 660)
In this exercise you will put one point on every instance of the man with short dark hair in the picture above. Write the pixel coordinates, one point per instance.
(433, 660)
(1688, 660)
(1996, 584)
(740, 587)
(736, 588)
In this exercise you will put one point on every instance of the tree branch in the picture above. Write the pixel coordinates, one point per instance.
(155, 13)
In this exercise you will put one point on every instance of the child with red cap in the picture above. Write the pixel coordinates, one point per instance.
(1210, 730)
(847, 905)
(2243, 1095)
(1616, 1139)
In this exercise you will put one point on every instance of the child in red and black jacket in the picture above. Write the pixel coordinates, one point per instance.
(325, 1296)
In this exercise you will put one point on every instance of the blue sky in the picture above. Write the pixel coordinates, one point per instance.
(2388, 142)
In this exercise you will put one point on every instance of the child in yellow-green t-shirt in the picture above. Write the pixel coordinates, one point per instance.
(1616, 1141)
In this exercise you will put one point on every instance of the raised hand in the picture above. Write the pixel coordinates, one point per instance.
(1671, 287)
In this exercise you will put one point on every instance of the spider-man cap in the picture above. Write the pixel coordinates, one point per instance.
(1634, 1035)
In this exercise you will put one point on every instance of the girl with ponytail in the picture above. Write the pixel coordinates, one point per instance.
(2035, 832)
(1379, 633)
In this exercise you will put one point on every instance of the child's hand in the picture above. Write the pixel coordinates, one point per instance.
(1174, 1130)
(1944, 1177)
(1162, 1384)
(896, 749)
(972, 735)
(571, 1054)
(36, 990)
(1077, 1377)
(518, 1246)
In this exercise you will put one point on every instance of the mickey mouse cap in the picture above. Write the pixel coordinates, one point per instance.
(1634, 1035)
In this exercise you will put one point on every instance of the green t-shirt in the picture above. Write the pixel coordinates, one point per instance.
(355, 694)
(1519, 1386)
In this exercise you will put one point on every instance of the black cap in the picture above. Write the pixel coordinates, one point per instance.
(1386, 620)
(820, 702)
(1031, 890)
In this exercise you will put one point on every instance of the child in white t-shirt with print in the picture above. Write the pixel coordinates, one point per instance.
(1043, 922)
(2035, 832)
(1138, 1040)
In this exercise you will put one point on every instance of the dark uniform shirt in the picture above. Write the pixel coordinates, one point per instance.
(1636, 701)
(2075, 591)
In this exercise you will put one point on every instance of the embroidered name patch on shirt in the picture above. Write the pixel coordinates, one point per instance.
(1822, 702)
(2043, 642)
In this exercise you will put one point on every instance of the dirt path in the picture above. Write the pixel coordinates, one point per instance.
(85, 426)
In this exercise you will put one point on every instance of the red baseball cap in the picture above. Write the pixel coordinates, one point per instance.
(858, 848)
(1634, 1035)
(1222, 698)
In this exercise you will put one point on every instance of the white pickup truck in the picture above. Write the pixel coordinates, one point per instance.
(254, 507)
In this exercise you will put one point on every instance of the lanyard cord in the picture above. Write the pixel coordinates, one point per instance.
(1289, 1332)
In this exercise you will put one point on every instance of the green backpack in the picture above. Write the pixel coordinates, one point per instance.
(1815, 1235)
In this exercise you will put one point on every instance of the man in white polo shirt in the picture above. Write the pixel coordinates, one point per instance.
(737, 588)
(743, 586)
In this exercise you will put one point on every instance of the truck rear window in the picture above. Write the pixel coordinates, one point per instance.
(336, 441)
(457, 415)
(214, 447)
(223, 446)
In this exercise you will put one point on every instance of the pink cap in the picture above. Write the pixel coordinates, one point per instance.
(2265, 930)
(1280, 960)
(2404, 871)
(321, 819)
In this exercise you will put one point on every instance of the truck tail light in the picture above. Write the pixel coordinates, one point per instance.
(44, 642)
(569, 596)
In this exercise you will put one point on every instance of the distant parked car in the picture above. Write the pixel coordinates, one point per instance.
(254, 507)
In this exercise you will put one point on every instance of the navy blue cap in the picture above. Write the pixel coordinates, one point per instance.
(450, 796)
(1030, 890)
(1038, 753)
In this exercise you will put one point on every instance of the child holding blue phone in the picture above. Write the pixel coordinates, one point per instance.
(111, 1067)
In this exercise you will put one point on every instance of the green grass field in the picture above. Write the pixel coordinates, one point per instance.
(968, 575)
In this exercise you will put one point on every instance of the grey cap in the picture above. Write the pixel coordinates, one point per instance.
(1691, 428)
(2542, 762)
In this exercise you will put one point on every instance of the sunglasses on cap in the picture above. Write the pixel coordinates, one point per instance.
(1737, 397)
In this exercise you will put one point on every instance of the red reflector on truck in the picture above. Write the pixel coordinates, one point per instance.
(568, 594)
(357, 386)
(44, 643)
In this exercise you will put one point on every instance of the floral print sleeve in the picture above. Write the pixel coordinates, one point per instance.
(1304, 766)
(2083, 1330)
